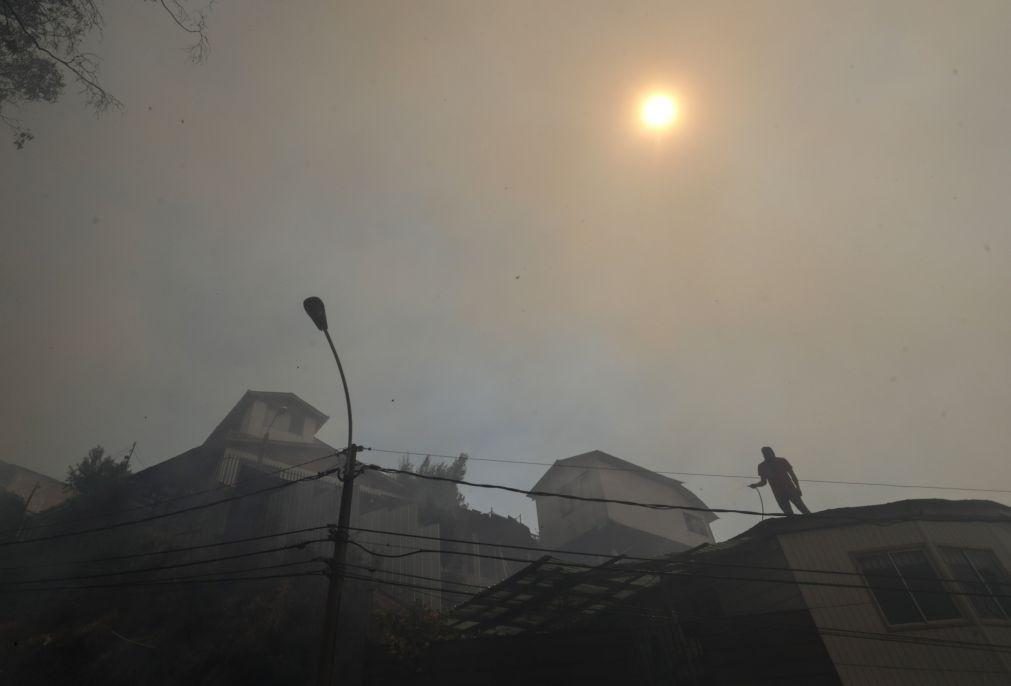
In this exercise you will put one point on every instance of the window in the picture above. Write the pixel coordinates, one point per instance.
(296, 424)
(695, 524)
(906, 587)
(979, 571)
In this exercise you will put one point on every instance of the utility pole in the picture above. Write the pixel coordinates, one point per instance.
(331, 620)
(130, 454)
(24, 512)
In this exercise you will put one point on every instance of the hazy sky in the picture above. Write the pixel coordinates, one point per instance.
(816, 259)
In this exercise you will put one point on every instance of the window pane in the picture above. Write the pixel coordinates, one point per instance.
(926, 587)
(970, 583)
(888, 590)
(994, 576)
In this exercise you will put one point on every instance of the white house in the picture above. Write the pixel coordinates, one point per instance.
(609, 528)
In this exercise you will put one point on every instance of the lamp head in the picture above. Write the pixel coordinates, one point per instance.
(316, 311)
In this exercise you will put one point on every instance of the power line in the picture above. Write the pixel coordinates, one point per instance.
(405, 584)
(634, 558)
(666, 573)
(909, 668)
(380, 570)
(162, 551)
(173, 513)
(698, 474)
(170, 582)
(159, 568)
(661, 506)
(842, 633)
(165, 501)
(521, 491)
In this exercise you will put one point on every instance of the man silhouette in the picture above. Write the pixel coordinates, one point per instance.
(778, 473)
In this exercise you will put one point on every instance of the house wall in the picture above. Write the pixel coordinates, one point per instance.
(562, 520)
(623, 485)
(870, 661)
(748, 626)
(259, 411)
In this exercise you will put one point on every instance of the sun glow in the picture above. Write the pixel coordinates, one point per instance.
(659, 111)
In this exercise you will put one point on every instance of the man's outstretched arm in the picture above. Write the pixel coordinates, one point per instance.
(758, 484)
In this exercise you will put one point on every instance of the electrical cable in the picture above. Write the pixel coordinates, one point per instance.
(634, 558)
(165, 582)
(842, 633)
(173, 513)
(697, 474)
(667, 573)
(165, 501)
(158, 568)
(162, 551)
(666, 506)
(379, 570)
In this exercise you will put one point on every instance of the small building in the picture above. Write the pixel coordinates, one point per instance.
(613, 529)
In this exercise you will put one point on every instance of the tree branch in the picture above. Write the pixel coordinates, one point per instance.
(21, 133)
(77, 65)
(198, 51)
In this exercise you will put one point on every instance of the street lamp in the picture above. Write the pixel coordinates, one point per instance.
(327, 654)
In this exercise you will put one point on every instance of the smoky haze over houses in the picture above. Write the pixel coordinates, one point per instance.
(609, 250)
(817, 258)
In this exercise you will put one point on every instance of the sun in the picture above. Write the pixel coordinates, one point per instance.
(659, 111)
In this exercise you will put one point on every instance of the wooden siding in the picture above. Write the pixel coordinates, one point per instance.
(872, 661)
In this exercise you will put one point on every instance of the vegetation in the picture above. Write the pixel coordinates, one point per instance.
(98, 479)
(41, 48)
(407, 635)
(436, 496)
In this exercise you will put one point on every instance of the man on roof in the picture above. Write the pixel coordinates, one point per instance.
(778, 473)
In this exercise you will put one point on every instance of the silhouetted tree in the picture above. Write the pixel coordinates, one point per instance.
(40, 47)
(439, 495)
(98, 479)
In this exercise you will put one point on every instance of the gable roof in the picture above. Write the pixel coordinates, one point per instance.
(272, 397)
(598, 459)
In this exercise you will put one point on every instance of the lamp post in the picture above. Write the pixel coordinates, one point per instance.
(328, 650)
(266, 435)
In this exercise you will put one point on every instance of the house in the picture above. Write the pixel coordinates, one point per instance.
(609, 528)
(41, 492)
(269, 438)
(266, 442)
(910, 592)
